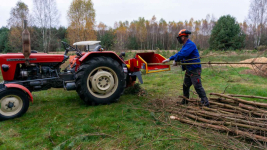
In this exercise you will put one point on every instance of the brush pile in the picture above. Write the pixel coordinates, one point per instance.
(228, 113)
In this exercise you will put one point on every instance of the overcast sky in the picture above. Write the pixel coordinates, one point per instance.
(109, 11)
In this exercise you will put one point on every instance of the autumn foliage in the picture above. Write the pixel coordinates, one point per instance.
(81, 17)
(143, 33)
(17, 15)
(153, 34)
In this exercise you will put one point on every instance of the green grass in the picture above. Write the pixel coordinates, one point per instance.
(59, 119)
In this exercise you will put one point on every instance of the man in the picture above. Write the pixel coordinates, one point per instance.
(189, 54)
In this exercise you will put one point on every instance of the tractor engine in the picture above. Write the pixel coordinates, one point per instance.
(39, 76)
(36, 72)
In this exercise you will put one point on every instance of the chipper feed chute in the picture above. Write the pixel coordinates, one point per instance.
(147, 61)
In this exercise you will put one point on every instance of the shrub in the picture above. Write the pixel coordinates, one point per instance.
(262, 48)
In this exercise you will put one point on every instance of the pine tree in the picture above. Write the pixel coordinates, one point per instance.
(227, 34)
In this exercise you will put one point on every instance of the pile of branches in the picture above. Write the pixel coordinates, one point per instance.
(228, 113)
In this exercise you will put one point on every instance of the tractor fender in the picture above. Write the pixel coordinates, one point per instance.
(17, 86)
(111, 54)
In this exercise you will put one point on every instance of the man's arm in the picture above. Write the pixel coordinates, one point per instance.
(184, 52)
(174, 56)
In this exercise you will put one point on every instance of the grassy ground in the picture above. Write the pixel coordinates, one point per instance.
(59, 119)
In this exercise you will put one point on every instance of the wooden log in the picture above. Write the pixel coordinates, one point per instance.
(253, 121)
(222, 128)
(211, 114)
(252, 108)
(242, 101)
(197, 118)
(245, 126)
(237, 108)
(204, 125)
(198, 111)
(228, 110)
(247, 122)
(236, 117)
(261, 119)
(227, 106)
(224, 100)
(217, 110)
(248, 96)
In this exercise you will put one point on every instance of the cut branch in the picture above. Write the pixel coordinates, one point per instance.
(222, 128)
(248, 96)
(241, 100)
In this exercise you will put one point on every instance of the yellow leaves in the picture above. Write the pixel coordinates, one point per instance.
(81, 16)
(101, 26)
(15, 38)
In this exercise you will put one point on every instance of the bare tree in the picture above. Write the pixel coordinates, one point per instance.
(258, 17)
(46, 16)
(18, 14)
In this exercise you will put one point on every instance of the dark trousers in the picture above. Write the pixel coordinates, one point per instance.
(194, 77)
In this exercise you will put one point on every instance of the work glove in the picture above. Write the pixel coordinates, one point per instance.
(165, 61)
(175, 63)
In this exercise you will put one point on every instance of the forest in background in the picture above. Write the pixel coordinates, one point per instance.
(140, 34)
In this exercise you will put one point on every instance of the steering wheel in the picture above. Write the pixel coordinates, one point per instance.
(68, 48)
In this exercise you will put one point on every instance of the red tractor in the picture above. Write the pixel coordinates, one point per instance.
(98, 76)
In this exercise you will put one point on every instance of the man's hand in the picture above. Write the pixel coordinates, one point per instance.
(175, 63)
(165, 61)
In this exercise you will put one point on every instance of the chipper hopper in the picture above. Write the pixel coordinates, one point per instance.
(98, 76)
(148, 61)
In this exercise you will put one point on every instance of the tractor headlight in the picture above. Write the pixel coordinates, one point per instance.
(5, 67)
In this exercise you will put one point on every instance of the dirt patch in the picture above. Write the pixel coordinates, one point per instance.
(259, 69)
(254, 60)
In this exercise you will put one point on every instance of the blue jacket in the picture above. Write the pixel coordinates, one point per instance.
(188, 51)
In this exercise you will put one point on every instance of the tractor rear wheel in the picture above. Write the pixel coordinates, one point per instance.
(100, 80)
(13, 103)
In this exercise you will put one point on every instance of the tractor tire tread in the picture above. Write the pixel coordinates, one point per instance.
(81, 73)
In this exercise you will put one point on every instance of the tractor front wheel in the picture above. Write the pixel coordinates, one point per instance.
(100, 80)
(13, 103)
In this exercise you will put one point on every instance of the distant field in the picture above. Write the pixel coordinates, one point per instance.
(59, 119)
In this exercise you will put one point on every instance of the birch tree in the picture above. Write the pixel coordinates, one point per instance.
(17, 16)
(46, 16)
(258, 17)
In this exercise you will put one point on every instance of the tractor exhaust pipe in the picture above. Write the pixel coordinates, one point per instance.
(26, 44)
